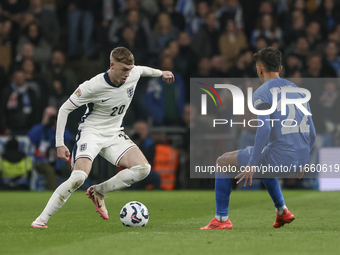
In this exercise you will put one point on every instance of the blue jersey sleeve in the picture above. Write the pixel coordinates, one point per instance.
(261, 138)
(261, 96)
(261, 99)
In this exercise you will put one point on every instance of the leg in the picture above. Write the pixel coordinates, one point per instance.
(137, 168)
(64, 191)
(121, 152)
(223, 188)
(223, 185)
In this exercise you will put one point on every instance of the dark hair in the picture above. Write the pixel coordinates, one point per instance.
(270, 57)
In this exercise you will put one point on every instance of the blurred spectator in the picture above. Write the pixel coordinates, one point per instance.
(7, 43)
(324, 110)
(313, 35)
(314, 66)
(298, 5)
(165, 102)
(150, 8)
(231, 42)
(13, 9)
(261, 43)
(206, 39)
(140, 137)
(266, 8)
(293, 64)
(293, 30)
(15, 167)
(328, 100)
(43, 137)
(163, 33)
(33, 35)
(332, 56)
(202, 11)
(244, 66)
(18, 106)
(129, 39)
(80, 18)
(58, 94)
(300, 48)
(139, 25)
(203, 68)
(26, 52)
(180, 62)
(318, 69)
(57, 68)
(229, 9)
(165, 162)
(177, 18)
(35, 83)
(218, 68)
(328, 15)
(268, 28)
(187, 8)
(335, 36)
(133, 17)
(48, 21)
(186, 52)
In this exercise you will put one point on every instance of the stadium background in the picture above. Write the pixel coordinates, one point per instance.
(59, 44)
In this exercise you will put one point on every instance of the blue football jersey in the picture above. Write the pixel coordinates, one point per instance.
(293, 139)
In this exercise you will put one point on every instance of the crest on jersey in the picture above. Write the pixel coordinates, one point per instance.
(78, 93)
(130, 91)
(83, 147)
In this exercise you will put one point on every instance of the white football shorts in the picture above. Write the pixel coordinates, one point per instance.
(112, 148)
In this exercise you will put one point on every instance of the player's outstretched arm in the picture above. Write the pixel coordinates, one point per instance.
(146, 71)
(64, 111)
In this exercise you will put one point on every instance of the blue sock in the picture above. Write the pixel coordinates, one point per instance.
(223, 187)
(274, 190)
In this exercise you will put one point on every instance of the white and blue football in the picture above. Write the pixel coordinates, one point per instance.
(134, 214)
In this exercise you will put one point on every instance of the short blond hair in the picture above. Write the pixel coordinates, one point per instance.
(123, 55)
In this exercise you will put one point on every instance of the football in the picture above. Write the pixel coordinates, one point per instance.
(134, 214)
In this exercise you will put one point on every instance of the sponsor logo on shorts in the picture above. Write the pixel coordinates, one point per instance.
(83, 147)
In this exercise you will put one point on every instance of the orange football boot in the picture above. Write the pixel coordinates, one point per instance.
(216, 224)
(286, 217)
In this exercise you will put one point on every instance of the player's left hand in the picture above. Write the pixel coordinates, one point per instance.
(168, 76)
(246, 174)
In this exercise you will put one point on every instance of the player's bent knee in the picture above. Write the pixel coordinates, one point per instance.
(78, 178)
(143, 170)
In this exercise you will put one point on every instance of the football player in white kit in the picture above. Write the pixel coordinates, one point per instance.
(107, 97)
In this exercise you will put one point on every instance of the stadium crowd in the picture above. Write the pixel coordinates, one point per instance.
(42, 42)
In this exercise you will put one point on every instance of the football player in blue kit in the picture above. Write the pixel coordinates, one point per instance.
(275, 144)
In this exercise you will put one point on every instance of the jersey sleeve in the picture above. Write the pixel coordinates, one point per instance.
(261, 97)
(82, 95)
(146, 71)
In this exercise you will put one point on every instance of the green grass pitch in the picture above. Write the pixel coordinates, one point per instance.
(173, 228)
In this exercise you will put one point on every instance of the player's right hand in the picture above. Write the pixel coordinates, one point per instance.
(63, 153)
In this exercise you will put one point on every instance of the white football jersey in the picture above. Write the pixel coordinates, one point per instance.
(106, 103)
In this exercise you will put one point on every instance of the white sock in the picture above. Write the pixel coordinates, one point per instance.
(221, 218)
(62, 193)
(124, 179)
(281, 209)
